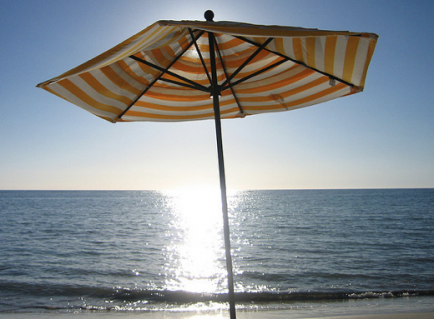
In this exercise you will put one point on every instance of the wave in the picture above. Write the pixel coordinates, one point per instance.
(129, 295)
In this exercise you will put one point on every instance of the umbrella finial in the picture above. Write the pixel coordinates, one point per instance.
(209, 15)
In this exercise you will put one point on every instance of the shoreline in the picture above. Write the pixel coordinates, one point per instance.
(279, 314)
(380, 308)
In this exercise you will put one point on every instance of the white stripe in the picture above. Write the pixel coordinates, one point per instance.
(291, 98)
(147, 119)
(288, 47)
(163, 103)
(86, 88)
(304, 49)
(281, 73)
(326, 98)
(110, 85)
(128, 77)
(75, 100)
(319, 53)
(141, 119)
(341, 47)
(206, 105)
(137, 72)
(360, 61)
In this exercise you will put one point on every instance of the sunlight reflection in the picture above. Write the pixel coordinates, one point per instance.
(195, 257)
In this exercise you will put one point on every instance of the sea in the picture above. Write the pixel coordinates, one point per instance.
(311, 253)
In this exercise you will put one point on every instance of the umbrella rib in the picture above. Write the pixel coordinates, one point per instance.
(204, 89)
(287, 58)
(260, 48)
(166, 71)
(135, 100)
(157, 78)
(227, 78)
(200, 56)
(229, 86)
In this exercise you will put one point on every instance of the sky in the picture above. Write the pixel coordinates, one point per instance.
(381, 138)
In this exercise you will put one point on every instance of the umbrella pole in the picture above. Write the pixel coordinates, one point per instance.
(225, 212)
(216, 104)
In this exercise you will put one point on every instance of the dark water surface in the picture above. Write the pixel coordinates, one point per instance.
(159, 251)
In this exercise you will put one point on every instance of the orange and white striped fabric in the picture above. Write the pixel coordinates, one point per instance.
(305, 67)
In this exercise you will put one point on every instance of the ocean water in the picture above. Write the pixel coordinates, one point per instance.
(303, 250)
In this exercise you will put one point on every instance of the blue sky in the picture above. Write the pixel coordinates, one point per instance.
(381, 138)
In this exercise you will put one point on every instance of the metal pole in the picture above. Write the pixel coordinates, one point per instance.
(215, 91)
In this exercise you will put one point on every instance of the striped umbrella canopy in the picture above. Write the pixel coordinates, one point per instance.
(197, 70)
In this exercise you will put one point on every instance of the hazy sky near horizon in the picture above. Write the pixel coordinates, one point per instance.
(381, 138)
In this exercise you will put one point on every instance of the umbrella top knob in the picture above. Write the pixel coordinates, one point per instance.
(209, 15)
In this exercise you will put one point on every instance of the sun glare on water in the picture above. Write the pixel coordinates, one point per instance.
(195, 256)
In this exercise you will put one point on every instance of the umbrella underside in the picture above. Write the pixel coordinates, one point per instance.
(163, 73)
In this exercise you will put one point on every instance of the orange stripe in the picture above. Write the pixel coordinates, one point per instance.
(223, 45)
(188, 66)
(318, 95)
(243, 74)
(259, 40)
(229, 44)
(49, 89)
(288, 93)
(329, 54)
(298, 51)
(179, 97)
(160, 58)
(261, 55)
(350, 58)
(304, 100)
(97, 86)
(146, 69)
(278, 43)
(182, 96)
(280, 83)
(178, 117)
(203, 82)
(194, 65)
(79, 93)
(310, 48)
(119, 81)
(171, 108)
(231, 61)
(170, 51)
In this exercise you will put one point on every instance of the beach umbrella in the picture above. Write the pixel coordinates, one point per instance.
(196, 70)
